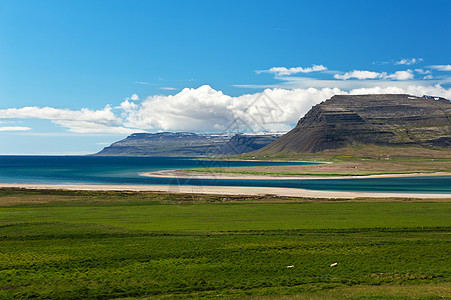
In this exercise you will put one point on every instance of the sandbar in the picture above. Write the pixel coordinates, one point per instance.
(212, 175)
(226, 190)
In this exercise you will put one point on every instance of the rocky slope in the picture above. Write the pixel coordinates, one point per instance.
(385, 120)
(187, 144)
(243, 143)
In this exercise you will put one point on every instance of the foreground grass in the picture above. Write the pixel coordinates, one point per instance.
(70, 245)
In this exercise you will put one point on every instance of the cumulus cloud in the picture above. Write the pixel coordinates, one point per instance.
(205, 109)
(14, 128)
(198, 109)
(127, 105)
(408, 61)
(289, 71)
(441, 67)
(362, 75)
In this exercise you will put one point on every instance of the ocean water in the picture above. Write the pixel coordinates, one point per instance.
(126, 170)
(101, 169)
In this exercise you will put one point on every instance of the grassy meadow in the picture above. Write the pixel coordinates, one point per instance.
(361, 160)
(101, 245)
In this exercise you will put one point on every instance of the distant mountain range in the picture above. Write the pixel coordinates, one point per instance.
(188, 144)
(384, 119)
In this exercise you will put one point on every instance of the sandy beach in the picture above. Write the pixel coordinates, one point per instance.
(213, 175)
(239, 190)
(228, 190)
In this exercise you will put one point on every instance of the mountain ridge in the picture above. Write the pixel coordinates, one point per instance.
(378, 119)
(187, 144)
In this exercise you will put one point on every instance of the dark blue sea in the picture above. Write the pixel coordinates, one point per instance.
(126, 171)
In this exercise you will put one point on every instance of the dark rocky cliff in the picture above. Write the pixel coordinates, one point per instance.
(241, 143)
(186, 144)
(386, 120)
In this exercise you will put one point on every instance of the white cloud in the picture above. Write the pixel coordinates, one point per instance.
(278, 109)
(79, 121)
(408, 61)
(133, 97)
(205, 109)
(401, 75)
(202, 109)
(127, 105)
(289, 71)
(428, 77)
(14, 128)
(422, 71)
(346, 85)
(415, 90)
(77, 126)
(360, 75)
(441, 67)
(105, 116)
(168, 88)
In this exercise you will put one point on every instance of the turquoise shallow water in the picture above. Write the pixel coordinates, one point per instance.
(126, 170)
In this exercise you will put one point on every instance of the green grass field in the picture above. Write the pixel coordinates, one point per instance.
(73, 245)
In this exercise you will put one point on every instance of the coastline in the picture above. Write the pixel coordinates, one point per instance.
(213, 175)
(226, 190)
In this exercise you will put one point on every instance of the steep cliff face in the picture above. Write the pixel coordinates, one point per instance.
(186, 144)
(241, 143)
(166, 144)
(386, 120)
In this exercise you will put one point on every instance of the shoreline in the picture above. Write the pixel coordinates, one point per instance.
(226, 190)
(214, 175)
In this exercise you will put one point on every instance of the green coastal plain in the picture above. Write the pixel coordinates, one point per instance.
(102, 245)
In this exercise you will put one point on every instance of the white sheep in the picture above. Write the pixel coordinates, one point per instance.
(333, 265)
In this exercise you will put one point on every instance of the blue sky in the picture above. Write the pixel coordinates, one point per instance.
(77, 75)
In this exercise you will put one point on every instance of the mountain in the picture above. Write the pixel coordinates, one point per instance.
(243, 143)
(383, 119)
(187, 144)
